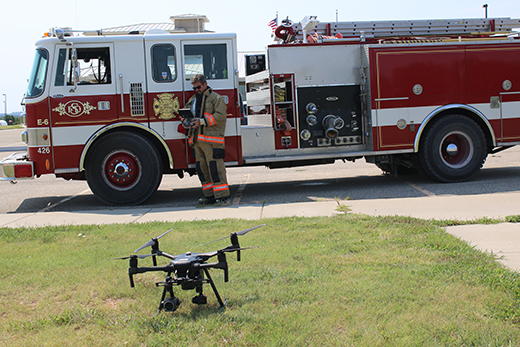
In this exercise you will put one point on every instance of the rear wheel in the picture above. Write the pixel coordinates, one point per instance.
(453, 149)
(123, 169)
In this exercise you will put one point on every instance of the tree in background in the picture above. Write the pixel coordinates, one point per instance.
(10, 118)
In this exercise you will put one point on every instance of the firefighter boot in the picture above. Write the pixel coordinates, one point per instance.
(207, 200)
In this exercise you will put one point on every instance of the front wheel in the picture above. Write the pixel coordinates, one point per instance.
(453, 149)
(123, 169)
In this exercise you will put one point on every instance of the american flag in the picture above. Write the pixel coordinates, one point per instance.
(273, 24)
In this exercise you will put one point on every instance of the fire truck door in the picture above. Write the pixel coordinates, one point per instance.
(216, 60)
(82, 98)
(164, 85)
(164, 94)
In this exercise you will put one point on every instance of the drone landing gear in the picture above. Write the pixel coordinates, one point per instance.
(172, 303)
(210, 281)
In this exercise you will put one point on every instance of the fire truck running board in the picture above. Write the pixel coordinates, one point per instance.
(424, 27)
(252, 161)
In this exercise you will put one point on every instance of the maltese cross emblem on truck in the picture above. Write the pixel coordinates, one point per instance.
(166, 106)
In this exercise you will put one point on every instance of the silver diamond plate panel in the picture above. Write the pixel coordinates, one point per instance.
(317, 65)
(257, 141)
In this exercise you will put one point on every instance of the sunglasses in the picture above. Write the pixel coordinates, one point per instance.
(197, 87)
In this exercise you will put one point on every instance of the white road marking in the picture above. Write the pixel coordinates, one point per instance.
(419, 188)
(240, 190)
(45, 209)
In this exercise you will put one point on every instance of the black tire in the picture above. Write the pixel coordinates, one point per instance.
(123, 168)
(453, 149)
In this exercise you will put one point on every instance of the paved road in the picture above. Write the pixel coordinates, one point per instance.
(252, 185)
(10, 141)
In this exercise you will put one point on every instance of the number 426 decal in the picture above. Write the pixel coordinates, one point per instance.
(44, 150)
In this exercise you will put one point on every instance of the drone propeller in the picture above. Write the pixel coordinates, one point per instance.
(224, 250)
(140, 256)
(242, 232)
(234, 238)
(236, 249)
(153, 242)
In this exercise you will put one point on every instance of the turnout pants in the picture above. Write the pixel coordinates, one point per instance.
(211, 170)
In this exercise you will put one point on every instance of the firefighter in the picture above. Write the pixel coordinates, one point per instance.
(206, 136)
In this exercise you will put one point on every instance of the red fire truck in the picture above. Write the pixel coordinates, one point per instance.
(436, 96)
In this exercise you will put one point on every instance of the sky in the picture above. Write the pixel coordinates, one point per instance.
(23, 22)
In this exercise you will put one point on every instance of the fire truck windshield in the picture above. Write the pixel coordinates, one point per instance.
(38, 74)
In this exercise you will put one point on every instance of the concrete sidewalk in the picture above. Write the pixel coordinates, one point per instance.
(501, 239)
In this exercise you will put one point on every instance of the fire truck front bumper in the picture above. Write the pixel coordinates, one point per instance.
(16, 166)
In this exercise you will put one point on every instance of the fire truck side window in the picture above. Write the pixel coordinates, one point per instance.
(209, 60)
(93, 66)
(163, 63)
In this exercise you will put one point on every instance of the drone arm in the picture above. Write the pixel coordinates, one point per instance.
(140, 270)
(133, 265)
(219, 265)
(222, 264)
(164, 254)
(235, 244)
(133, 270)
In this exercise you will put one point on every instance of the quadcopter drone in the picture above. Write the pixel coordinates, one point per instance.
(188, 270)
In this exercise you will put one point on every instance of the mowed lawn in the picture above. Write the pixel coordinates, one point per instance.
(348, 280)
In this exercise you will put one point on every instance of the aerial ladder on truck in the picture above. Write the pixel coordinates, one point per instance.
(423, 28)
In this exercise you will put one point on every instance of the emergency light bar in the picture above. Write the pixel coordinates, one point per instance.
(61, 33)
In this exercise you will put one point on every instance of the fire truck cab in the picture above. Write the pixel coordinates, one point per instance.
(106, 108)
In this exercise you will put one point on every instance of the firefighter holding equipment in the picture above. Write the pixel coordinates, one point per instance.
(206, 136)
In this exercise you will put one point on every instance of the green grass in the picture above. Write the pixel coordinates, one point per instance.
(348, 280)
(17, 126)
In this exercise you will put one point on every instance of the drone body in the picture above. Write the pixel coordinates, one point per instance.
(189, 270)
